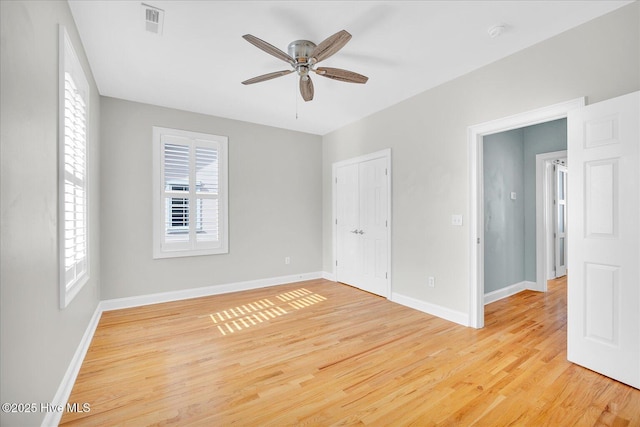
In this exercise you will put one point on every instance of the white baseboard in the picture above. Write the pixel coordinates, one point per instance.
(66, 385)
(328, 276)
(505, 292)
(137, 301)
(52, 418)
(433, 309)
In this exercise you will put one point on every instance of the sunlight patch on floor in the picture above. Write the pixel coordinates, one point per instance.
(247, 315)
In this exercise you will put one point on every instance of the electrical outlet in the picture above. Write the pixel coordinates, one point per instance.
(287, 260)
(432, 282)
(456, 220)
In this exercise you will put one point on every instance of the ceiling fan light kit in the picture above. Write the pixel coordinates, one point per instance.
(303, 56)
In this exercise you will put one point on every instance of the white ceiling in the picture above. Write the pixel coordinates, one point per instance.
(404, 47)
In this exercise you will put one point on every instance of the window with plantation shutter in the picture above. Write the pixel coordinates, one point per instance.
(73, 176)
(190, 193)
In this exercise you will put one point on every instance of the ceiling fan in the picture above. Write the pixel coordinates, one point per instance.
(303, 56)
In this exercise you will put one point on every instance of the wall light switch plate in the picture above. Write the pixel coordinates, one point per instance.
(456, 220)
(513, 195)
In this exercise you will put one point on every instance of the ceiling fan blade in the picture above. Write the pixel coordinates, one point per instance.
(330, 45)
(342, 75)
(270, 49)
(306, 88)
(269, 76)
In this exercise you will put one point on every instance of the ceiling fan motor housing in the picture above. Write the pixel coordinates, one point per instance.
(301, 50)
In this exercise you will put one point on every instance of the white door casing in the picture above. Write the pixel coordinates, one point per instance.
(545, 195)
(604, 265)
(560, 221)
(476, 211)
(362, 222)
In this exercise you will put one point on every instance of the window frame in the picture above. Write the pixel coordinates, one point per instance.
(192, 247)
(69, 63)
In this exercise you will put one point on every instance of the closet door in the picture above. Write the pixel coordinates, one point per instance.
(362, 196)
(349, 258)
(373, 226)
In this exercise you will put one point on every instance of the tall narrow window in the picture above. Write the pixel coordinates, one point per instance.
(190, 193)
(72, 174)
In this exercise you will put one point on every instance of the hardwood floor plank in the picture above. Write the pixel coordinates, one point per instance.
(321, 353)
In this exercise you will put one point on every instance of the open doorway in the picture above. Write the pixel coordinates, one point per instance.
(476, 135)
(551, 216)
(514, 212)
(560, 235)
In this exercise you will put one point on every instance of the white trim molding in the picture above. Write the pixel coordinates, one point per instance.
(475, 136)
(508, 291)
(329, 276)
(52, 418)
(544, 216)
(138, 301)
(432, 309)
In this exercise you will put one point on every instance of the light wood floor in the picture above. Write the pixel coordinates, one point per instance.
(320, 353)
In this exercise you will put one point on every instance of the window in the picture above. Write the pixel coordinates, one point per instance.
(190, 193)
(73, 221)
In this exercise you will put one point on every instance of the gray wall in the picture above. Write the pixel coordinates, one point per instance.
(504, 218)
(276, 180)
(275, 206)
(428, 138)
(510, 226)
(542, 138)
(37, 338)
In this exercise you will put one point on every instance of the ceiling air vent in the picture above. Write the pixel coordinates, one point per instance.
(153, 18)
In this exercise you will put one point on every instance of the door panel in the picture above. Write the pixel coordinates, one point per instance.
(362, 221)
(602, 289)
(373, 213)
(601, 184)
(604, 267)
(349, 245)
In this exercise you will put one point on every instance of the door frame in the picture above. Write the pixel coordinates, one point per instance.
(475, 135)
(544, 215)
(557, 234)
(382, 154)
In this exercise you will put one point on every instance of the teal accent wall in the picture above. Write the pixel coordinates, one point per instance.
(543, 138)
(509, 162)
(504, 239)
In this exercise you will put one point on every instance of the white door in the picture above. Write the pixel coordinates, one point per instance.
(604, 264)
(560, 223)
(349, 244)
(362, 225)
(373, 225)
